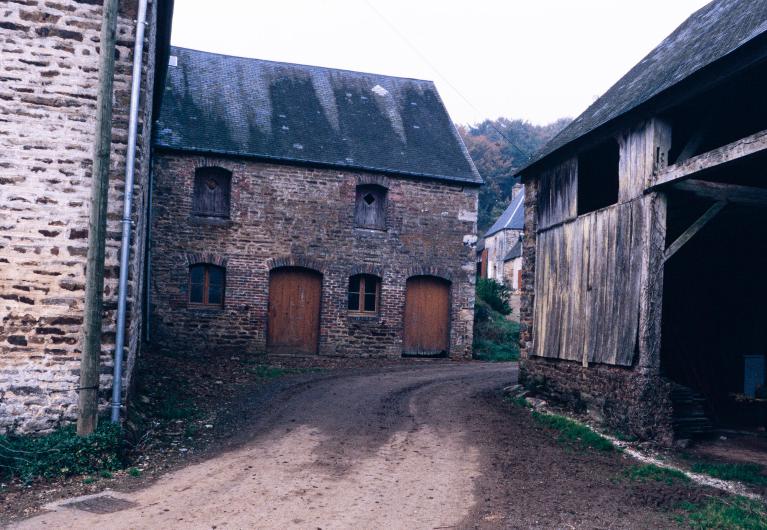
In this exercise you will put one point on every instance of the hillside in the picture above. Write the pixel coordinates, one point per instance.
(497, 159)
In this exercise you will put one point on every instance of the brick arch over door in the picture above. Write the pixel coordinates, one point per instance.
(293, 319)
(427, 316)
(295, 261)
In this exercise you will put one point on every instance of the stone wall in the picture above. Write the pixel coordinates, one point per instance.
(48, 84)
(291, 215)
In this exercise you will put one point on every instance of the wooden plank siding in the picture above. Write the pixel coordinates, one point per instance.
(558, 193)
(588, 278)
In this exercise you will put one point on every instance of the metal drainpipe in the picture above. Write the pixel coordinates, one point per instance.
(130, 163)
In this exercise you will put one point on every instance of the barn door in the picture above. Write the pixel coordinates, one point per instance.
(294, 310)
(427, 316)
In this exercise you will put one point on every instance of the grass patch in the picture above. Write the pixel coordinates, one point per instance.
(574, 433)
(62, 453)
(266, 371)
(747, 473)
(174, 407)
(651, 472)
(518, 401)
(495, 337)
(732, 513)
(134, 472)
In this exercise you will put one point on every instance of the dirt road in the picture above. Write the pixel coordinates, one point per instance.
(426, 446)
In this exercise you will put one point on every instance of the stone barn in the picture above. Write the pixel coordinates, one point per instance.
(645, 248)
(49, 75)
(298, 209)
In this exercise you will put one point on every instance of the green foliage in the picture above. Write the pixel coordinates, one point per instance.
(89, 480)
(495, 337)
(62, 453)
(573, 433)
(134, 472)
(497, 159)
(738, 513)
(748, 473)
(648, 472)
(494, 294)
(105, 474)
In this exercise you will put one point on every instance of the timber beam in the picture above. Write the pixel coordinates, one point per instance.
(750, 145)
(720, 191)
(694, 228)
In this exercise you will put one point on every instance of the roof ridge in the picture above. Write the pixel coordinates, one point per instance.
(303, 65)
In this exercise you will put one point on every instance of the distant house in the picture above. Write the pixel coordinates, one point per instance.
(512, 267)
(300, 209)
(626, 311)
(503, 235)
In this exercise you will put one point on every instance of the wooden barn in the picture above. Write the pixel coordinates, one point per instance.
(645, 248)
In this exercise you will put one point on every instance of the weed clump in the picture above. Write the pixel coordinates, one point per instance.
(62, 453)
(573, 433)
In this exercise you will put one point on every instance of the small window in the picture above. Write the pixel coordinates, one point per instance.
(206, 285)
(598, 177)
(364, 294)
(211, 192)
(370, 209)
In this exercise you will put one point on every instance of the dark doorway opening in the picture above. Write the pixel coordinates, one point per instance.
(714, 332)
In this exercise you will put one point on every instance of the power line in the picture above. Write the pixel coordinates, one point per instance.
(445, 79)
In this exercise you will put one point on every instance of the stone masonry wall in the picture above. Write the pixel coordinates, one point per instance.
(290, 215)
(48, 82)
(624, 399)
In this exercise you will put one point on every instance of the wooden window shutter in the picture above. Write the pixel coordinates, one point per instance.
(370, 207)
(212, 190)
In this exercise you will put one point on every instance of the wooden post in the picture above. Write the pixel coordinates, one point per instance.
(94, 272)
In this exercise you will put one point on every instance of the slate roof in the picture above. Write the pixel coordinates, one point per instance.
(309, 115)
(709, 34)
(513, 217)
(514, 252)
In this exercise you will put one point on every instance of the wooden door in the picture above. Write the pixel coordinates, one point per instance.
(294, 310)
(427, 316)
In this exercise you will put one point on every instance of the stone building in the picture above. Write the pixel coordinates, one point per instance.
(48, 84)
(503, 235)
(626, 311)
(306, 209)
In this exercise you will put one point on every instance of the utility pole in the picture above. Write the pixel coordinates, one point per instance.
(94, 272)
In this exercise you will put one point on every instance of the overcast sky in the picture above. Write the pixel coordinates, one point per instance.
(536, 60)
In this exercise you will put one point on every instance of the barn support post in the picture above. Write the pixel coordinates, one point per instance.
(94, 272)
(653, 250)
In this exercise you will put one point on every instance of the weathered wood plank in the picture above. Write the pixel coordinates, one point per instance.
(558, 194)
(651, 294)
(694, 228)
(750, 145)
(587, 304)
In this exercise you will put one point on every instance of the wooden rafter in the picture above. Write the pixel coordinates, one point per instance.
(720, 191)
(750, 145)
(694, 228)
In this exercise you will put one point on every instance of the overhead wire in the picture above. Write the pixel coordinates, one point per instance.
(444, 78)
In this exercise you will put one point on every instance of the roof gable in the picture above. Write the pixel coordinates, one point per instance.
(513, 217)
(309, 115)
(709, 34)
